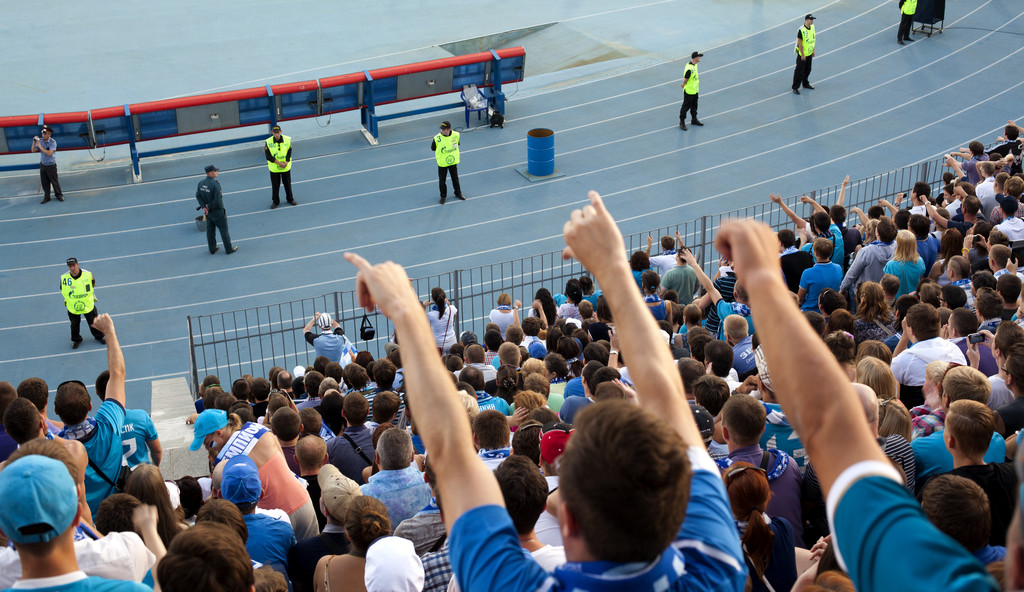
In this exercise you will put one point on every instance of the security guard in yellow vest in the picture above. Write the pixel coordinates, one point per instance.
(804, 54)
(907, 10)
(279, 160)
(690, 85)
(78, 288)
(446, 150)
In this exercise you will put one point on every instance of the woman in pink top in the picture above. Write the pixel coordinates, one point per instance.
(224, 436)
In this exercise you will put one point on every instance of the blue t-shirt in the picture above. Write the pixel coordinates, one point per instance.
(887, 543)
(7, 444)
(138, 429)
(743, 356)
(838, 245)
(571, 406)
(269, 541)
(105, 451)
(928, 249)
(485, 401)
(706, 555)
(908, 273)
(817, 278)
(92, 584)
(933, 458)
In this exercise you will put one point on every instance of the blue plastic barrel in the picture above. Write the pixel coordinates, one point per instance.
(540, 152)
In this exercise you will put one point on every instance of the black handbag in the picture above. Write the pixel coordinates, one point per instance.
(366, 330)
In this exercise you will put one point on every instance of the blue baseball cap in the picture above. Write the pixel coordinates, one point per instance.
(537, 350)
(240, 483)
(208, 422)
(40, 499)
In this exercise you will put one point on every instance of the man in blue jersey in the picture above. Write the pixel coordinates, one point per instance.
(139, 440)
(653, 454)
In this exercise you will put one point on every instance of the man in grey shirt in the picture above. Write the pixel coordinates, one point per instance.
(47, 146)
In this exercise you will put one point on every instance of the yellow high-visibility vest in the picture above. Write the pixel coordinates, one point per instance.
(693, 82)
(909, 6)
(78, 293)
(279, 151)
(446, 149)
(808, 37)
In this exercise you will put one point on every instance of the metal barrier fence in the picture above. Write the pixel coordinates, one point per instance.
(252, 340)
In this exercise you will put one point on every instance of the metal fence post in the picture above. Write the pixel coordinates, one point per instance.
(453, 278)
(194, 387)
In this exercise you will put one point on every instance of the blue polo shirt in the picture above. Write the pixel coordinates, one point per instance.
(817, 278)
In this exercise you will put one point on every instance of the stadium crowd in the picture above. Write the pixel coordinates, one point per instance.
(839, 407)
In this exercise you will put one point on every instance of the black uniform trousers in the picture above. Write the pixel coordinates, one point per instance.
(275, 182)
(47, 177)
(442, 172)
(76, 321)
(689, 104)
(906, 23)
(802, 72)
(218, 220)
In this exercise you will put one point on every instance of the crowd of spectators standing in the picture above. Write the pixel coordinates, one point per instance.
(837, 407)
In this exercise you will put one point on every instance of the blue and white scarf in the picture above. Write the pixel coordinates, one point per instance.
(789, 251)
(775, 469)
(79, 431)
(325, 432)
(741, 309)
(242, 441)
(495, 453)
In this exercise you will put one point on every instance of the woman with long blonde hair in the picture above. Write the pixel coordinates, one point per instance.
(906, 264)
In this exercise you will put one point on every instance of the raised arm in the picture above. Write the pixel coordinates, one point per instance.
(705, 281)
(842, 190)
(810, 201)
(465, 482)
(115, 359)
(953, 164)
(860, 215)
(650, 242)
(935, 216)
(893, 208)
(594, 239)
(814, 391)
(777, 200)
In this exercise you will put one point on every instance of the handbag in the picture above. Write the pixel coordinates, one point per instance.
(366, 330)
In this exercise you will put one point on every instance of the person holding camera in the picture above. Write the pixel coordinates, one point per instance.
(331, 340)
(446, 151)
(211, 202)
(47, 146)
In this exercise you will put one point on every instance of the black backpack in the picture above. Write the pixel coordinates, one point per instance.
(497, 120)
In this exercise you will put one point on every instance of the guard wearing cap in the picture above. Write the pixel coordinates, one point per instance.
(47, 146)
(79, 290)
(211, 202)
(690, 85)
(804, 54)
(446, 150)
(279, 160)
